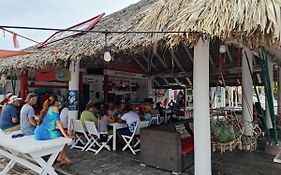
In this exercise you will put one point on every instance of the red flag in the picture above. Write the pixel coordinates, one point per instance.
(15, 41)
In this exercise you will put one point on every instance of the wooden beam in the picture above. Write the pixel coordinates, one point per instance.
(159, 57)
(173, 54)
(141, 65)
(212, 61)
(229, 56)
(152, 64)
(47, 86)
(177, 81)
(166, 81)
(169, 75)
(156, 82)
(189, 81)
(188, 52)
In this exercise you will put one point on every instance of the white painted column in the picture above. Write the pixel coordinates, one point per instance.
(213, 97)
(73, 91)
(223, 96)
(202, 140)
(279, 92)
(267, 113)
(247, 92)
(230, 96)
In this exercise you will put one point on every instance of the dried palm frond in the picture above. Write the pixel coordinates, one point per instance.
(257, 21)
(253, 22)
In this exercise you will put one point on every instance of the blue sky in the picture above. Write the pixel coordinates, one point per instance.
(49, 13)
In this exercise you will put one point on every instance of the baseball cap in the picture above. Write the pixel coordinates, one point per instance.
(9, 95)
(14, 98)
(30, 96)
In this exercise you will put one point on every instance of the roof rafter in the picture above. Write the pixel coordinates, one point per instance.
(173, 54)
(141, 65)
(188, 52)
(148, 65)
(159, 57)
(229, 56)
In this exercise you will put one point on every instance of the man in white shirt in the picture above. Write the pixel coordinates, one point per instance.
(131, 118)
(64, 117)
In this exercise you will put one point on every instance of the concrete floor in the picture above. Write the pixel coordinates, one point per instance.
(124, 163)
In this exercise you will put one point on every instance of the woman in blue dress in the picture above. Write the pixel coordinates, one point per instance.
(49, 125)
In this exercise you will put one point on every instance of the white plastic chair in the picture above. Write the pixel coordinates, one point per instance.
(95, 136)
(80, 135)
(128, 139)
(154, 111)
(155, 119)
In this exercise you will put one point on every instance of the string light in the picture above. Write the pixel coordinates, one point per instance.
(106, 54)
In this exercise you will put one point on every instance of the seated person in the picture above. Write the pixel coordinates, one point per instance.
(27, 114)
(88, 115)
(64, 117)
(171, 104)
(131, 118)
(50, 127)
(99, 110)
(119, 111)
(104, 121)
(5, 101)
(146, 114)
(159, 108)
(9, 120)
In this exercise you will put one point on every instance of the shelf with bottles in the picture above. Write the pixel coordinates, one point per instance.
(117, 85)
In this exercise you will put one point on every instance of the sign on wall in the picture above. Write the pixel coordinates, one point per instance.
(73, 100)
(52, 75)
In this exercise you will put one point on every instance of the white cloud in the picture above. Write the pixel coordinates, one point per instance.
(50, 13)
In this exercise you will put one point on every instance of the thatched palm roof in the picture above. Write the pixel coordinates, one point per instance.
(90, 44)
(252, 22)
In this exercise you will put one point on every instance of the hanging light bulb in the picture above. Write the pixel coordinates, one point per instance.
(222, 49)
(106, 56)
(106, 53)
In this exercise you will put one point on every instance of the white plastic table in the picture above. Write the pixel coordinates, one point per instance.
(166, 116)
(277, 158)
(26, 150)
(115, 127)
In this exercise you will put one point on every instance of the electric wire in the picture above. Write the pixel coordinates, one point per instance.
(93, 31)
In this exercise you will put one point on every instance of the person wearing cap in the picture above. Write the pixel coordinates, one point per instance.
(27, 114)
(5, 101)
(9, 120)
